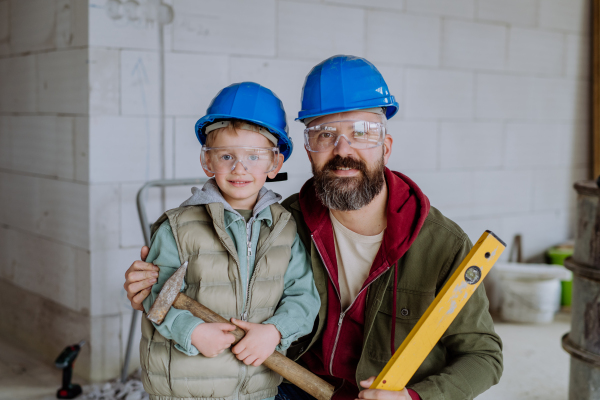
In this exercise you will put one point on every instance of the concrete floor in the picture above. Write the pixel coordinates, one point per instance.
(535, 367)
(23, 377)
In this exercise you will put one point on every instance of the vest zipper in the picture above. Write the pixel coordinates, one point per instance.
(244, 316)
(236, 394)
(245, 313)
(256, 262)
(342, 314)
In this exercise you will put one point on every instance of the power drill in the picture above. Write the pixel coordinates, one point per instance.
(65, 361)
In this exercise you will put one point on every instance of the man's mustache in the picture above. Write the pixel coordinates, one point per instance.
(344, 162)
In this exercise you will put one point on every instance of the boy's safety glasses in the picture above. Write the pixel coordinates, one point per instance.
(257, 160)
(358, 134)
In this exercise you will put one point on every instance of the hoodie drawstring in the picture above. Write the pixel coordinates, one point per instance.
(394, 308)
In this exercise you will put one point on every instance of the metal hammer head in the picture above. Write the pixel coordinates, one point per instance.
(167, 295)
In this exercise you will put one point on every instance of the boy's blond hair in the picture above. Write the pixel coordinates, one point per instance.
(236, 124)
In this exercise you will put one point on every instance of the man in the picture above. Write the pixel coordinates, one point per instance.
(379, 252)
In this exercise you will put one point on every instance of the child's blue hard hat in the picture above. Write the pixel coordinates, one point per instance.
(250, 102)
(345, 83)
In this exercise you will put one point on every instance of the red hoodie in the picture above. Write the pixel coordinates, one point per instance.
(335, 356)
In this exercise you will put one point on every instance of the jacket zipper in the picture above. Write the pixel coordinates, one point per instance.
(244, 316)
(251, 281)
(243, 368)
(342, 314)
(258, 261)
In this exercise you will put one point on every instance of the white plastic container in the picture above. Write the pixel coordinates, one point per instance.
(527, 293)
(529, 300)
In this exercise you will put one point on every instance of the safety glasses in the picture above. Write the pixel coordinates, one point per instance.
(358, 134)
(257, 160)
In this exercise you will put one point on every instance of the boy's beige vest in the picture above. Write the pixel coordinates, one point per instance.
(213, 279)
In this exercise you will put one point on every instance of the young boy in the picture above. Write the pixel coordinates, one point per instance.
(246, 261)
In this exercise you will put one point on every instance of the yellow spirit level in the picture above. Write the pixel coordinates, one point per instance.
(440, 313)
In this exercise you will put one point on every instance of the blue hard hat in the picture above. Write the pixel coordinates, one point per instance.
(250, 102)
(345, 83)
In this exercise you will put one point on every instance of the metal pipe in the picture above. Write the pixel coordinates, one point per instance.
(145, 224)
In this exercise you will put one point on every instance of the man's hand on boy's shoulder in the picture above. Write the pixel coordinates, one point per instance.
(258, 344)
(212, 338)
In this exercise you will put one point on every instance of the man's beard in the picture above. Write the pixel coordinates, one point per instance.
(348, 193)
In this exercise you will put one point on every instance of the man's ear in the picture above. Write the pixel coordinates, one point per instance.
(387, 148)
(274, 173)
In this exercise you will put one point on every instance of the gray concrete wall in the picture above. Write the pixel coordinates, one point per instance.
(493, 126)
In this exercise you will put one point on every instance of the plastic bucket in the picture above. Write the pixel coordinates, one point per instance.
(557, 255)
(529, 299)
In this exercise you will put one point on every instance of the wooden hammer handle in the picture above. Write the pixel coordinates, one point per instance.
(277, 362)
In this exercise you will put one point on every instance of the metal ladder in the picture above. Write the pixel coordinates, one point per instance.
(141, 207)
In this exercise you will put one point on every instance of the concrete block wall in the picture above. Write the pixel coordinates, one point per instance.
(44, 176)
(492, 124)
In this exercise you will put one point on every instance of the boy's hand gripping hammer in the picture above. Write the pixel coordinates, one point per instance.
(170, 295)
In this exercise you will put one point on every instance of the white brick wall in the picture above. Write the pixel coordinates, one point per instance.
(43, 145)
(528, 98)
(45, 267)
(140, 83)
(536, 51)
(124, 149)
(71, 23)
(501, 192)
(62, 81)
(547, 184)
(473, 45)
(570, 15)
(20, 200)
(492, 125)
(230, 26)
(18, 81)
(64, 213)
(32, 25)
(187, 150)
(450, 192)
(434, 93)
(5, 139)
(455, 8)
(514, 12)
(537, 145)
(4, 28)
(402, 39)
(386, 4)
(471, 145)
(191, 82)
(104, 81)
(578, 56)
(104, 217)
(317, 31)
(119, 33)
(414, 147)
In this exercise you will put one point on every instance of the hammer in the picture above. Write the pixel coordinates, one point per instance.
(170, 295)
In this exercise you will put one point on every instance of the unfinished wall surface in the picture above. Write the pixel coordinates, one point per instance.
(493, 124)
(44, 175)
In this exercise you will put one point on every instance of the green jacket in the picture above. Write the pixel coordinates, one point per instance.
(468, 358)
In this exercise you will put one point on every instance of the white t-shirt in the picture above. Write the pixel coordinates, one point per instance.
(355, 254)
